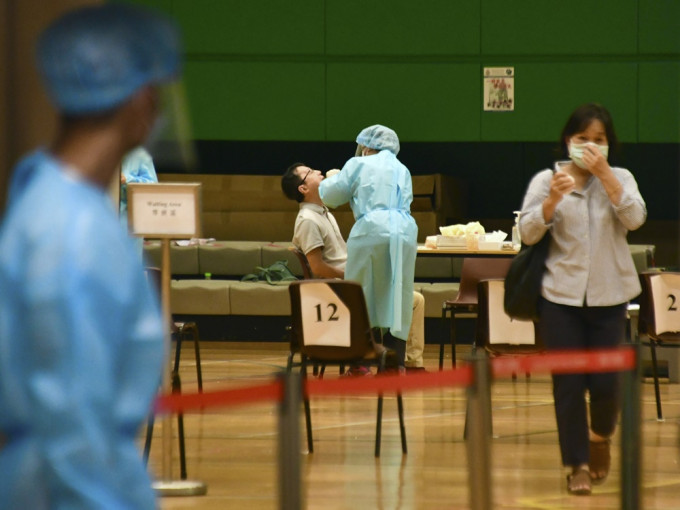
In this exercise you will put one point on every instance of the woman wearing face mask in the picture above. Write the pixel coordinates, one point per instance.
(588, 207)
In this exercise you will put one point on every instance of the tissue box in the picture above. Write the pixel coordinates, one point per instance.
(450, 241)
(492, 241)
(490, 245)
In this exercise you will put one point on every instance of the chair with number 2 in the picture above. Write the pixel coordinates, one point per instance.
(330, 326)
(659, 318)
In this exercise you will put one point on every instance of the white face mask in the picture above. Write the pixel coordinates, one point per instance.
(576, 152)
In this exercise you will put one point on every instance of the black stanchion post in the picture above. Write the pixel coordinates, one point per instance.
(479, 433)
(167, 486)
(290, 484)
(630, 436)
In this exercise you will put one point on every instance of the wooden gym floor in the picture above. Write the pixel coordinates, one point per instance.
(234, 450)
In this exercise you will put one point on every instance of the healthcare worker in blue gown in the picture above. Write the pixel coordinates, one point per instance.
(81, 334)
(382, 245)
(137, 167)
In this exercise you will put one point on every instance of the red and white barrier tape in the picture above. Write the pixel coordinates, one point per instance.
(605, 360)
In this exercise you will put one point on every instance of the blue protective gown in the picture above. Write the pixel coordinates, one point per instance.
(137, 167)
(23, 173)
(81, 349)
(382, 246)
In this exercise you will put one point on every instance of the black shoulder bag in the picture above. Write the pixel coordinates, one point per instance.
(524, 279)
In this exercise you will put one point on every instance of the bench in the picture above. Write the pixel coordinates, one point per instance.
(206, 286)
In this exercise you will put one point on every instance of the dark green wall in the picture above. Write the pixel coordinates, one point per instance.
(323, 69)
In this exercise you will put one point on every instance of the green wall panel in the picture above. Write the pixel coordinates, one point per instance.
(323, 69)
(545, 95)
(389, 27)
(252, 27)
(421, 102)
(256, 101)
(577, 27)
(660, 26)
(659, 102)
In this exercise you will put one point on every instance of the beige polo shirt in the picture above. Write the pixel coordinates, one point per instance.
(315, 227)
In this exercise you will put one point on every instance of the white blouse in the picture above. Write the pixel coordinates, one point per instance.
(589, 261)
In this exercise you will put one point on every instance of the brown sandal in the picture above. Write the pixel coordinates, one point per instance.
(579, 482)
(600, 460)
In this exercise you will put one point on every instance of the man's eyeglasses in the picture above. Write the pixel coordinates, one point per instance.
(305, 177)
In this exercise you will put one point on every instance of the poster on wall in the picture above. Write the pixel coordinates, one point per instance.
(499, 89)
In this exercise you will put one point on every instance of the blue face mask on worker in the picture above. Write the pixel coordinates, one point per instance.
(576, 152)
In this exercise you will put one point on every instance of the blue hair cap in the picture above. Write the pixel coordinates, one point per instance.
(379, 138)
(94, 58)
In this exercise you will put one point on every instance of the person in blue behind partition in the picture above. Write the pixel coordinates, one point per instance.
(382, 245)
(81, 334)
(137, 167)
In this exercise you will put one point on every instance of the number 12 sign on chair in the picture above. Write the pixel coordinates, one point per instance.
(325, 318)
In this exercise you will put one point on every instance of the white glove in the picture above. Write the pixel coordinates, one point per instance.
(332, 172)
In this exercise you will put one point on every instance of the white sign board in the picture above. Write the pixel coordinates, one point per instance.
(666, 299)
(170, 210)
(325, 318)
(503, 329)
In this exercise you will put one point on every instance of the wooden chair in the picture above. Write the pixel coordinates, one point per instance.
(659, 320)
(179, 331)
(308, 275)
(304, 263)
(466, 302)
(330, 326)
(188, 331)
(496, 332)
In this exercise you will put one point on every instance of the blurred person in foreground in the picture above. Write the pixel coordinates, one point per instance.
(588, 206)
(382, 245)
(81, 335)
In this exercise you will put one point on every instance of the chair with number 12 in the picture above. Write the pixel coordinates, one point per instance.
(330, 326)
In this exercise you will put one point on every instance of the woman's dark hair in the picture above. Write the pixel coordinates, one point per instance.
(581, 118)
(290, 183)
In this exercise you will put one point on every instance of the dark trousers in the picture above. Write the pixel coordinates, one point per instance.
(570, 327)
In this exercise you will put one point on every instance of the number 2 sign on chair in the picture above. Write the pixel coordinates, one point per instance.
(325, 318)
(666, 299)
